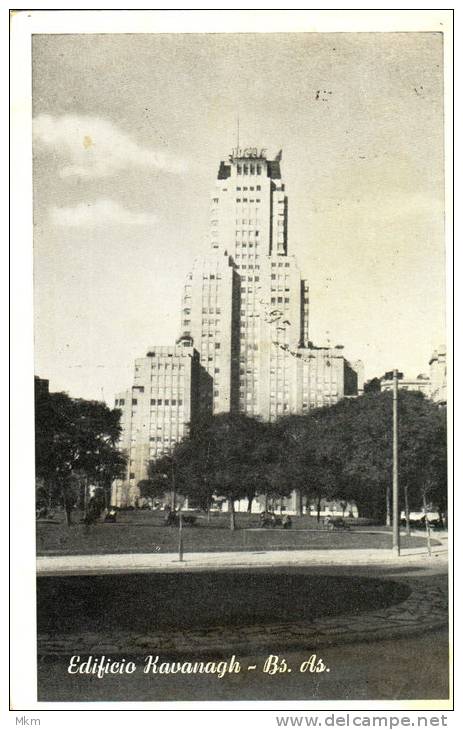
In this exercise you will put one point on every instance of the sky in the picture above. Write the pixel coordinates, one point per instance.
(128, 133)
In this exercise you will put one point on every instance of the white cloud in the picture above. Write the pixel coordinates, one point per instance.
(93, 147)
(100, 213)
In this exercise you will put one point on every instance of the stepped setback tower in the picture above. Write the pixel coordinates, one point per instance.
(244, 327)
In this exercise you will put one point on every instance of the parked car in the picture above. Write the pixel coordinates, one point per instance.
(418, 520)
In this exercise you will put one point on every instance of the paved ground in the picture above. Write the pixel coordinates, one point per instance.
(424, 610)
(412, 668)
(396, 652)
(162, 562)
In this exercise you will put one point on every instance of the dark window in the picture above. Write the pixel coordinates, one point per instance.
(166, 402)
(134, 401)
(153, 401)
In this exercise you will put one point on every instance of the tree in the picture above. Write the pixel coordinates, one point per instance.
(75, 444)
(217, 459)
(152, 489)
(356, 438)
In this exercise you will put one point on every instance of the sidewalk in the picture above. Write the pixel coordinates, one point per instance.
(164, 562)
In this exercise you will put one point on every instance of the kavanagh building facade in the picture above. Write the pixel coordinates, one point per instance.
(244, 344)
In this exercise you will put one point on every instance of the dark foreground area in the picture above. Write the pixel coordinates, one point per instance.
(415, 668)
(105, 603)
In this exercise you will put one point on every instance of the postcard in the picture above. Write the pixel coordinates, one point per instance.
(234, 458)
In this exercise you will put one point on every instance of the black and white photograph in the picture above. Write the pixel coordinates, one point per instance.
(241, 363)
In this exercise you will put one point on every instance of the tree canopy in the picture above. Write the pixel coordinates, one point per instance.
(76, 439)
(342, 452)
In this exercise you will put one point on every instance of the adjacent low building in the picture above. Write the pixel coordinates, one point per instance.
(157, 412)
(433, 386)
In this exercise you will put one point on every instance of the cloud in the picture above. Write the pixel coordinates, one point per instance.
(100, 213)
(92, 147)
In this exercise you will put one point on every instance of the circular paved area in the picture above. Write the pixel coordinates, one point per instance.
(424, 610)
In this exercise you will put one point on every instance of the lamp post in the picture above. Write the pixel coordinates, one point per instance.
(395, 467)
(180, 538)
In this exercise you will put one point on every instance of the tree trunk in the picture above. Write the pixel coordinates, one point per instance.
(85, 496)
(231, 503)
(388, 506)
(407, 510)
(265, 501)
(250, 501)
(50, 495)
(68, 512)
(67, 507)
(319, 507)
(428, 531)
(299, 503)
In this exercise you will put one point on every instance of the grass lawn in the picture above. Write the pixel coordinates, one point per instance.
(144, 532)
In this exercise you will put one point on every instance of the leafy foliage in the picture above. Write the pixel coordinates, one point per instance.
(75, 443)
(339, 452)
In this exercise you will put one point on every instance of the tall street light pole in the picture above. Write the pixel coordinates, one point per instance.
(395, 467)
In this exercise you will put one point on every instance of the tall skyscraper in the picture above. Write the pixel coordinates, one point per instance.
(244, 320)
(273, 369)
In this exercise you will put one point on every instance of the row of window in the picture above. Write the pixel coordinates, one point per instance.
(166, 402)
(247, 200)
(279, 300)
(251, 188)
(248, 170)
